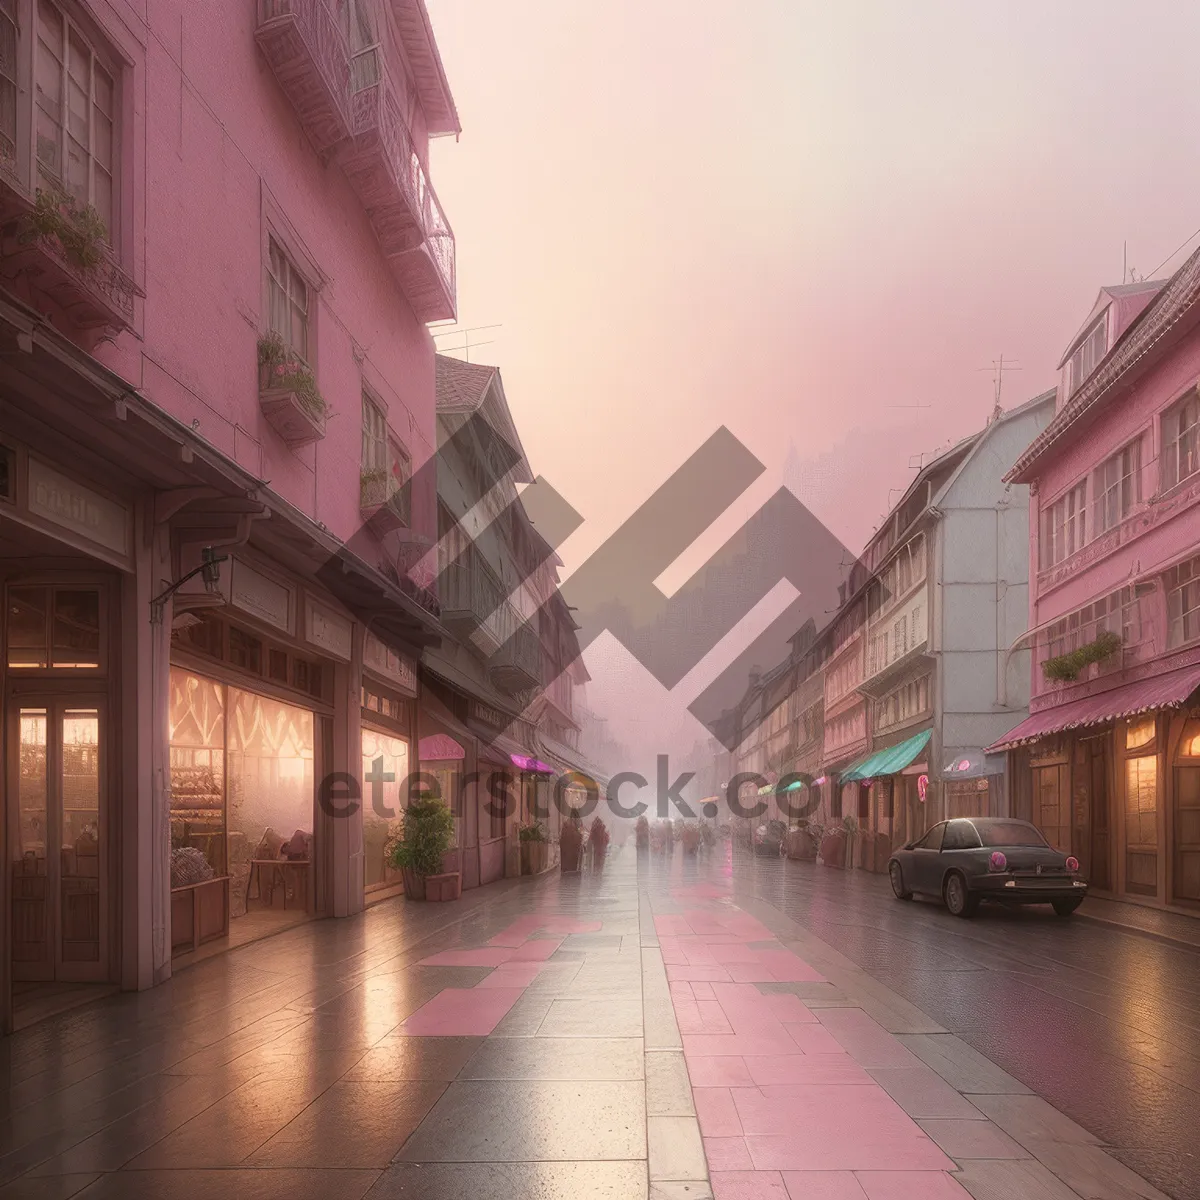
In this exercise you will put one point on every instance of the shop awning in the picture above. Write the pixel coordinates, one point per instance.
(889, 761)
(1163, 691)
(771, 788)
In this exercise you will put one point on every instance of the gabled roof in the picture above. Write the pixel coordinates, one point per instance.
(464, 389)
(1129, 300)
(1174, 309)
(420, 48)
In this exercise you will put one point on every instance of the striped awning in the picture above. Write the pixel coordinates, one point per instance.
(1162, 691)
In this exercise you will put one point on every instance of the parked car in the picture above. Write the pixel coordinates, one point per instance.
(971, 859)
(770, 839)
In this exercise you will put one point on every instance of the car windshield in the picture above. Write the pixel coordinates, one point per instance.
(1008, 833)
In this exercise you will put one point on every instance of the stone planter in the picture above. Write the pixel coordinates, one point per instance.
(833, 850)
(286, 413)
(440, 888)
(535, 857)
(801, 846)
(570, 844)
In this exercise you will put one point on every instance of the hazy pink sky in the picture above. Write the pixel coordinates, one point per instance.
(792, 218)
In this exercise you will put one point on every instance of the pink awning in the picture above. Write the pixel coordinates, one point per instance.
(1162, 691)
(440, 747)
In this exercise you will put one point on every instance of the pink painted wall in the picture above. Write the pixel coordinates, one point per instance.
(1156, 534)
(212, 151)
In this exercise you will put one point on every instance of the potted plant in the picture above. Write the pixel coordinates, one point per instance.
(422, 851)
(535, 849)
(801, 845)
(598, 839)
(641, 832)
(833, 846)
(690, 837)
(570, 844)
(1066, 668)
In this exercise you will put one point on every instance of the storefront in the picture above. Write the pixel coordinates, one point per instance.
(389, 694)
(66, 567)
(893, 795)
(1115, 781)
(250, 716)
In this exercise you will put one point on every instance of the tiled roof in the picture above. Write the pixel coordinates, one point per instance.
(1179, 299)
(461, 386)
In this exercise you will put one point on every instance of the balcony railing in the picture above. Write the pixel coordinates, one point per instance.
(305, 44)
(473, 608)
(383, 166)
(518, 664)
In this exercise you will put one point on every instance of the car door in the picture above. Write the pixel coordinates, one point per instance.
(926, 858)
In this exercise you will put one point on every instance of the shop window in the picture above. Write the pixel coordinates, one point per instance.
(245, 650)
(242, 785)
(1139, 734)
(383, 755)
(449, 789)
(1189, 746)
(1141, 825)
(53, 627)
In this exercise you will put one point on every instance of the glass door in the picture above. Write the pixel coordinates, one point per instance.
(57, 831)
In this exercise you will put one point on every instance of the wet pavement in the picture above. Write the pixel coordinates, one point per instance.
(704, 1028)
(1101, 1021)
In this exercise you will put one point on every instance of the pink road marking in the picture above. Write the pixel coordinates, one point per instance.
(512, 975)
(822, 1185)
(727, 1154)
(749, 1185)
(483, 957)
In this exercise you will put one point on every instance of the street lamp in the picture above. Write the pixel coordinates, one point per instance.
(209, 571)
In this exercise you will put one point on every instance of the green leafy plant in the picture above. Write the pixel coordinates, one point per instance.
(1066, 668)
(282, 368)
(428, 835)
(532, 833)
(850, 823)
(58, 216)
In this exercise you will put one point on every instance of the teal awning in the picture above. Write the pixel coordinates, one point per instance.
(889, 761)
(772, 788)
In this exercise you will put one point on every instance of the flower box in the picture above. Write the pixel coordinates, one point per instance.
(286, 413)
(378, 504)
(97, 298)
(535, 857)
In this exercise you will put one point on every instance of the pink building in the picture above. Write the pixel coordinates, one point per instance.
(1108, 762)
(221, 250)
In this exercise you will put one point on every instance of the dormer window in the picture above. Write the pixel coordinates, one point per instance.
(1087, 358)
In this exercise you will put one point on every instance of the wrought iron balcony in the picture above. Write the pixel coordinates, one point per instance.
(384, 168)
(518, 664)
(305, 44)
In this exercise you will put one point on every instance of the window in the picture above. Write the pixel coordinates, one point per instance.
(73, 113)
(374, 437)
(1117, 487)
(961, 835)
(53, 627)
(1064, 526)
(903, 704)
(8, 84)
(1181, 441)
(1091, 350)
(1008, 833)
(933, 839)
(1183, 603)
(1120, 612)
(1139, 733)
(287, 300)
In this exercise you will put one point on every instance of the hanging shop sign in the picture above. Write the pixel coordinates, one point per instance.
(261, 597)
(381, 658)
(70, 506)
(329, 631)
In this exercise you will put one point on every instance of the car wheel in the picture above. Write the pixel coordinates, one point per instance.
(896, 875)
(1064, 908)
(959, 901)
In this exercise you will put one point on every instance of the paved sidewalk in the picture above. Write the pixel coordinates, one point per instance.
(612, 1036)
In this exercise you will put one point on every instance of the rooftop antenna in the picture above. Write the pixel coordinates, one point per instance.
(998, 367)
